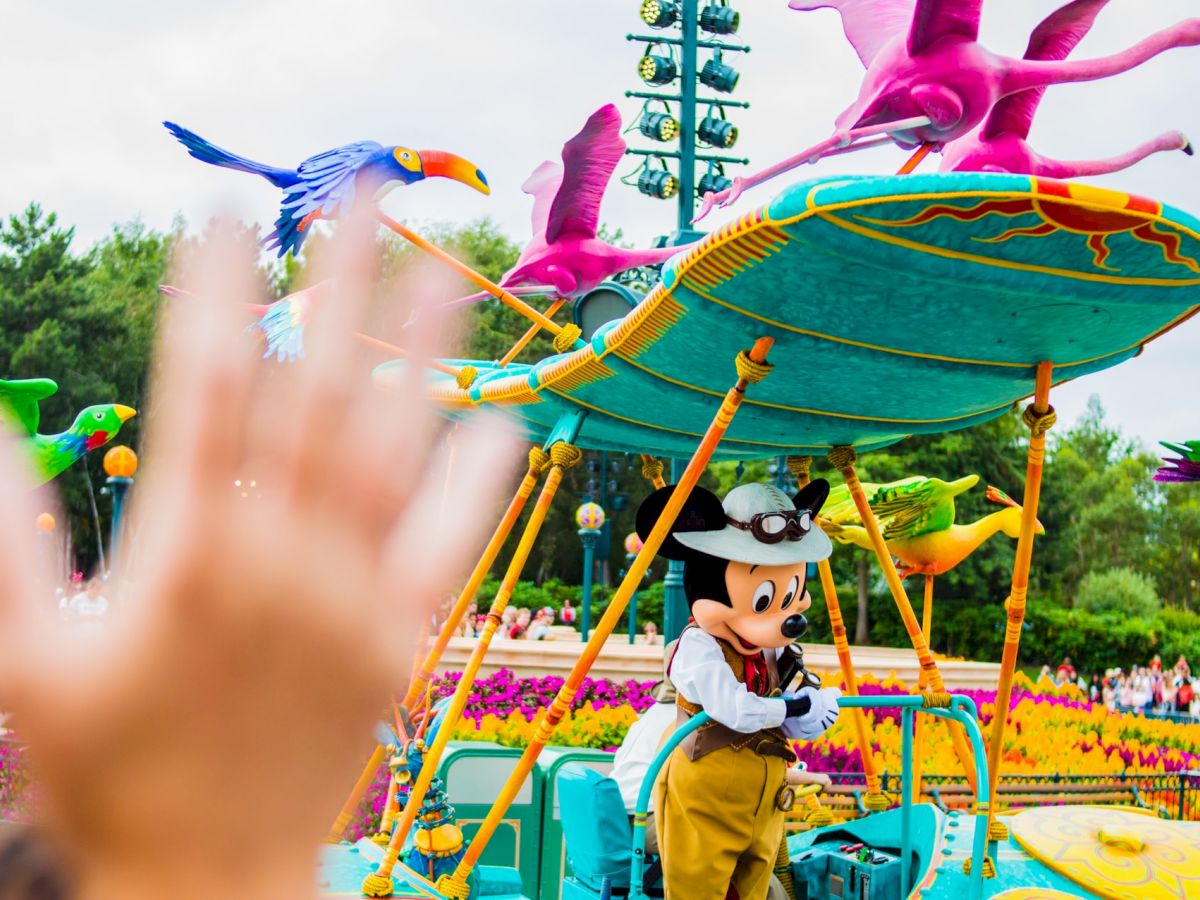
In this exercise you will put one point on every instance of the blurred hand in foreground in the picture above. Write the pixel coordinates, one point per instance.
(201, 745)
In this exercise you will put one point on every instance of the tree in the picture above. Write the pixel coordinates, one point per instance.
(1118, 591)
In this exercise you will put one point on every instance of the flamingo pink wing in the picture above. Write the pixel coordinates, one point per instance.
(868, 24)
(543, 185)
(935, 19)
(1054, 39)
(589, 160)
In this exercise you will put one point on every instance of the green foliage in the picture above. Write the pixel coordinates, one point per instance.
(1118, 591)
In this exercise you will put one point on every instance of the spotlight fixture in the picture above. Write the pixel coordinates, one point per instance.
(654, 69)
(717, 75)
(717, 131)
(660, 13)
(659, 126)
(712, 181)
(658, 183)
(715, 18)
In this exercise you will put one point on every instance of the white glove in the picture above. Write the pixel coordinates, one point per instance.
(822, 713)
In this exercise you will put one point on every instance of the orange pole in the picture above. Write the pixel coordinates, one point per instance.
(529, 335)
(471, 275)
(915, 160)
(360, 788)
(379, 883)
(843, 459)
(537, 461)
(875, 800)
(400, 351)
(919, 721)
(1039, 416)
(751, 367)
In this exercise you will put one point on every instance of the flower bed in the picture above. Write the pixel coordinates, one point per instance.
(1051, 730)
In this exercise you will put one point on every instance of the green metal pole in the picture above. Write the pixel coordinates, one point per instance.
(675, 607)
(629, 558)
(588, 536)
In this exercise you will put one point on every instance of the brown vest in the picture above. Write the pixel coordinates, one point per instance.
(713, 735)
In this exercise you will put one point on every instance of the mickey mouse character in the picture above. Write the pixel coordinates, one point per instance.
(722, 795)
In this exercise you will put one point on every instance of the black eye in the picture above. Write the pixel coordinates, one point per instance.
(792, 589)
(763, 595)
(99, 416)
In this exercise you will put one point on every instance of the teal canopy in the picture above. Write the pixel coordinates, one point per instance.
(898, 304)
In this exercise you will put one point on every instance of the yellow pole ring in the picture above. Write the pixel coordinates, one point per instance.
(565, 455)
(652, 469)
(843, 458)
(820, 818)
(750, 370)
(933, 700)
(538, 459)
(376, 885)
(449, 886)
(997, 831)
(1039, 423)
(565, 340)
(466, 377)
(799, 466)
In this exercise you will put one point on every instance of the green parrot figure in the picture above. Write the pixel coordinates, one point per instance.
(52, 454)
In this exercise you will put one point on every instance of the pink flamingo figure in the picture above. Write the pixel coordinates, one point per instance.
(564, 255)
(1000, 145)
(930, 81)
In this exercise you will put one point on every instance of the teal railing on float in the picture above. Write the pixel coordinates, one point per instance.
(961, 709)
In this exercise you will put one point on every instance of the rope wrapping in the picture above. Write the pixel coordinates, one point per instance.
(750, 370)
(450, 887)
(652, 469)
(875, 801)
(539, 459)
(935, 700)
(997, 831)
(1039, 423)
(566, 338)
(800, 466)
(466, 376)
(842, 458)
(565, 455)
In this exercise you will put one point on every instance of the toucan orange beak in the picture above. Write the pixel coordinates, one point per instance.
(439, 164)
(124, 413)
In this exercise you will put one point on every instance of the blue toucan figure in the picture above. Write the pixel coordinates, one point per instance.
(326, 185)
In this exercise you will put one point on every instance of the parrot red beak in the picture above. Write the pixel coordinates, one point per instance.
(439, 164)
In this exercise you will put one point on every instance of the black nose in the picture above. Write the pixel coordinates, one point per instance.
(794, 626)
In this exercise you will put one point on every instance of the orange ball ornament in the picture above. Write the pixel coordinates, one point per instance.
(120, 462)
(45, 523)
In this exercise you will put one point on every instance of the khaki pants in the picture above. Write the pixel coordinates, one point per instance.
(718, 824)
(775, 892)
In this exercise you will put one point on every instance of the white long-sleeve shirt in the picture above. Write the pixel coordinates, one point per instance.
(701, 674)
(638, 750)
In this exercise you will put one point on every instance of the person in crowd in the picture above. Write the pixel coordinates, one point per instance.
(1046, 673)
(1156, 663)
(521, 624)
(568, 613)
(90, 603)
(1182, 667)
(1066, 671)
(508, 619)
(1093, 688)
(539, 628)
(650, 633)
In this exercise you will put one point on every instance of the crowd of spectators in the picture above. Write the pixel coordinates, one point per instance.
(1151, 689)
(521, 624)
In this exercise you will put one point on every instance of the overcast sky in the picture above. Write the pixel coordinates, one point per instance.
(86, 85)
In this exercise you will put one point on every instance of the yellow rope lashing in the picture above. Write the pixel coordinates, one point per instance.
(466, 376)
(876, 801)
(783, 869)
(989, 867)
(819, 817)
(539, 459)
(448, 887)
(376, 885)
(799, 466)
(842, 457)
(935, 700)
(566, 338)
(749, 370)
(997, 831)
(652, 468)
(565, 455)
(1039, 424)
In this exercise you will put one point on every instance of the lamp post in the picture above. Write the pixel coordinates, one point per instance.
(590, 519)
(633, 545)
(120, 464)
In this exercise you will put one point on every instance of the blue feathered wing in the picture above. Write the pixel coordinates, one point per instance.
(326, 183)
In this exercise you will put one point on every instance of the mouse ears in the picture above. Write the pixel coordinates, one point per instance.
(812, 496)
(702, 511)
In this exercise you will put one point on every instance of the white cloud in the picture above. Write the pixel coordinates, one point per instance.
(504, 84)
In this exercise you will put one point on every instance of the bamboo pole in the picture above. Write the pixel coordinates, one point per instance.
(919, 722)
(652, 470)
(915, 160)
(875, 800)
(751, 367)
(531, 333)
(360, 788)
(560, 332)
(379, 883)
(1039, 416)
(843, 459)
